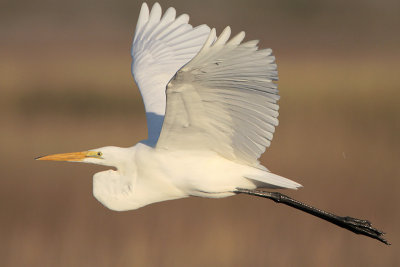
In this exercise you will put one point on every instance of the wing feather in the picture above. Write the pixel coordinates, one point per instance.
(161, 46)
(224, 99)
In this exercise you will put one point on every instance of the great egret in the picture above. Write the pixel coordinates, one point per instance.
(211, 107)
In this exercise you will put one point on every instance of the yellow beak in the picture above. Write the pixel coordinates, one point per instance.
(74, 156)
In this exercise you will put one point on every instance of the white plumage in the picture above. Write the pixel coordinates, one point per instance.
(161, 46)
(211, 107)
(223, 100)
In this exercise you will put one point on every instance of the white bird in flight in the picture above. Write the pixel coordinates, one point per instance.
(211, 108)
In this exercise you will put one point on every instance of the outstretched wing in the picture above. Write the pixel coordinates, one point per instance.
(224, 100)
(161, 46)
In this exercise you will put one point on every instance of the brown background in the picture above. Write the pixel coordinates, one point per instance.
(65, 86)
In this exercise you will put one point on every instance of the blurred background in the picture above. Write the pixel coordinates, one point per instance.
(65, 85)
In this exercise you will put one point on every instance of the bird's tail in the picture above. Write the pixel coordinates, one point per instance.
(267, 179)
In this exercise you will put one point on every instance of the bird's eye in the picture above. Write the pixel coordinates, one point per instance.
(99, 154)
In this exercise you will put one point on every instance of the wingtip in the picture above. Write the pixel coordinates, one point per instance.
(210, 40)
(184, 17)
(142, 19)
(170, 11)
(205, 26)
(156, 7)
(144, 7)
(237, 39)
(224, 36)
(155, 13)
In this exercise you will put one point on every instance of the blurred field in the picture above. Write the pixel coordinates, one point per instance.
(66, 87)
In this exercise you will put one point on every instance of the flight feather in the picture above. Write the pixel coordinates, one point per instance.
(224, 99)
(161, 46)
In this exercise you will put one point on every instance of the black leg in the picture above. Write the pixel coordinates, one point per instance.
(362, 227)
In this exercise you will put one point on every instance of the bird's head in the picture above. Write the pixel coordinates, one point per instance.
(107, 156)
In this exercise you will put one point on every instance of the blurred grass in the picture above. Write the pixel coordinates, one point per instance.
(66, 86)
(338, 137)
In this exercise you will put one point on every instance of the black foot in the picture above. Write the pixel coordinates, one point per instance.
(364, 227)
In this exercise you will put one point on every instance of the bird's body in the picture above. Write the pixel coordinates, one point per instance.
(211, 108)
(145, 175)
